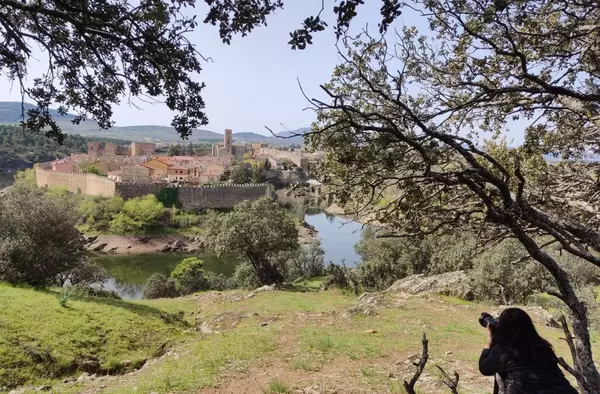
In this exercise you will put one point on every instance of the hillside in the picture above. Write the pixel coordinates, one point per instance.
(10, 113)
(297, 341)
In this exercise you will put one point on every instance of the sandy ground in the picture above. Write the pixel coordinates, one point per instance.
(117, 244)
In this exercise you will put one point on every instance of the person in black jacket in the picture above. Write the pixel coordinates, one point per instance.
(524, 360)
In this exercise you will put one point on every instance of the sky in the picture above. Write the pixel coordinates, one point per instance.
(253, 82)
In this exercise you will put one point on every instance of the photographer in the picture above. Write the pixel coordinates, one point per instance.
(524, 360)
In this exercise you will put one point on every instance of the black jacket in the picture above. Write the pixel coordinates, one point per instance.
(536, 375)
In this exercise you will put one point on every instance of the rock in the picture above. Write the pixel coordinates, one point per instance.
(43, 388)
(448, 353)
(128, 246)
(371, 332)
(367, 304)
(100, 247)
(174, 246)
(84, 377)
(18, 391)
(91, 240)
(113, 250)
(454, 284)
(260, 290)
(264, 324)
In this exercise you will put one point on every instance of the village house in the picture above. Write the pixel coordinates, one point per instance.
(64, 165)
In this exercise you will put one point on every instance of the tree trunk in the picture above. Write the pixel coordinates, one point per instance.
(267, 273)
(589, 381)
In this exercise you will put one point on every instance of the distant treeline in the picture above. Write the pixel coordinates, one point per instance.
(22, 149)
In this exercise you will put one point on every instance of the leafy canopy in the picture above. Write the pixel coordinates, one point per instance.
(409, 114)
(99, 52)
(259, 232)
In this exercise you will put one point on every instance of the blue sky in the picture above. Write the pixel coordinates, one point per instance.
(251, 83)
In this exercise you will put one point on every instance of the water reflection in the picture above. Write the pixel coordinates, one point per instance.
(338, 236)
(130, 272)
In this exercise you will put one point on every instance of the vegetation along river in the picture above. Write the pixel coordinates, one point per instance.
(129, 272)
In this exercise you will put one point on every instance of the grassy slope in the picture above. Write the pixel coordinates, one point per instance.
(309, 340)
(41, 340)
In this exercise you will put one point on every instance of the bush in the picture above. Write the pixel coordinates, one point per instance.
(159, 286)
(85, 273)
(89, 291)
(385, 260)
(500, 276)
(137, 214)
(307, 262)
(189, 276)
(244, 277)
(38, 238)
(98, 212)
(219, 282)
(342, 277)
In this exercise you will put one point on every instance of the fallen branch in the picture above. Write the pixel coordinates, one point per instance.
(452, 383)
(410, 386)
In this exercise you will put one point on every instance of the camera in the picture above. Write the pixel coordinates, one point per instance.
(486, 319)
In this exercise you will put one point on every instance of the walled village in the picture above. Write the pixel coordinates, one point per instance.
(139, 170)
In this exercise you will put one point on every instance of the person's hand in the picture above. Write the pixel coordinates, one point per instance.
(489, 336)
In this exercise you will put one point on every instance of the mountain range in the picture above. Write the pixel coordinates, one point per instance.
(10, 113)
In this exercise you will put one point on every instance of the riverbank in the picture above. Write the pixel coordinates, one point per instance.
(161, 243)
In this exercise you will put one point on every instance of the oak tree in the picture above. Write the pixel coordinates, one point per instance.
(424, 114)
(99, 52)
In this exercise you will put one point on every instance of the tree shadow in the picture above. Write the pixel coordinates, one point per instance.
(139, 309)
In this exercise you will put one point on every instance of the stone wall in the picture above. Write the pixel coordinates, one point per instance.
(89, 184)
(201, 197)
(190, 197)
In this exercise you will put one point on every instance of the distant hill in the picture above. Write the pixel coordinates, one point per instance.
(10, 113)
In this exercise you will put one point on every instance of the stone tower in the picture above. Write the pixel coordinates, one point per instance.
(227, 141)
(93, 149)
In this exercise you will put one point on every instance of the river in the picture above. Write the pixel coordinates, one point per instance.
(129, 272)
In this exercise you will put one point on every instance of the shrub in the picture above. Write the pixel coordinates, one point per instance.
(38, 238)
(98, 211)
(219, 282)
(307, 262)
(342, 277)
(124, 224)
(85, 273)
(244, 277)
(89, 291)
(500, 276)
(189, 276)
(385, 260)
(159, 286)
(140, 213)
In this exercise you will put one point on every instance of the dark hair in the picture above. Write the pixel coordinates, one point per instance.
(516, 334)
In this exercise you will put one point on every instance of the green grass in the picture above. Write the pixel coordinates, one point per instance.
(42, 341)
(277, 386)
(306, 332)
(304, 364)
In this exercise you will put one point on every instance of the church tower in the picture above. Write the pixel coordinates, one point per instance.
(227, 141)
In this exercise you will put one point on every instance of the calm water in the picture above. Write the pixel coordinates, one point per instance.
(130, 272)
(6, 179)
(338, 236)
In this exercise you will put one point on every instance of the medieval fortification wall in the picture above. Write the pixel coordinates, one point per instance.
(90, 184)
(190, 197)
(196, 197)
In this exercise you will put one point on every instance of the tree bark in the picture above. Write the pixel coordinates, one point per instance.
(589, 378)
